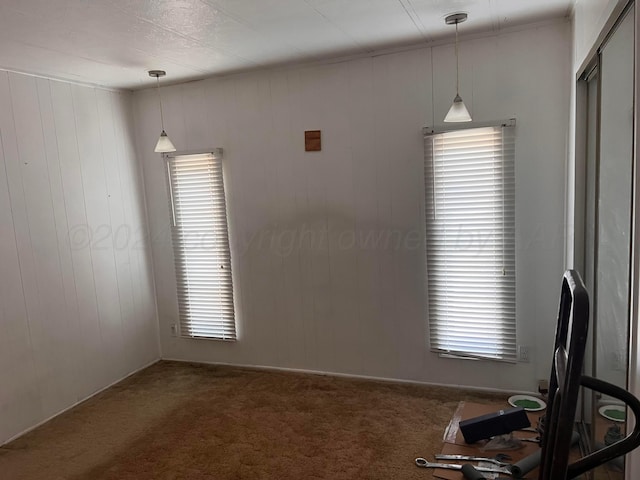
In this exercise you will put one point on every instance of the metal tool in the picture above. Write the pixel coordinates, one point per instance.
(469, 472)
(421, 462)
(496, 461)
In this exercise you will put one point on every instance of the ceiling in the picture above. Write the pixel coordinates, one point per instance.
(114, 42)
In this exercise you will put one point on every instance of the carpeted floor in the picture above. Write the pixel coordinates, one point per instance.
(184, 421)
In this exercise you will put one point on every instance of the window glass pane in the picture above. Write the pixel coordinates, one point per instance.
(613, 241)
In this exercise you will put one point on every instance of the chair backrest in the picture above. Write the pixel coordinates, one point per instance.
(566, 374)
(564, 386)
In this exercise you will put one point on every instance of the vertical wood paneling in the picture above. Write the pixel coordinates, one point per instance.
(385, 117)
(197, 126)
(365, 211)
(268, 169)
(288, 288)
(96, 194)
(258, 224)
(68, 328)
(20, 221)
(304, 298)
(20, 394)
(159, 232)
(341, 224)
(145, 347)
(49, 327)
(306, 223)
(142, 347)
(297, 267)
(88, 335)
(220, 100)
(118, 228)
(67, 289)
(409, 89)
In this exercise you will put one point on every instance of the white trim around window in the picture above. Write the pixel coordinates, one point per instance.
(470, 232)
(200, 239)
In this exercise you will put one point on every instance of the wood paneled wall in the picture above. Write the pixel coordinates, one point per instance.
(308, 294)
(77, 309)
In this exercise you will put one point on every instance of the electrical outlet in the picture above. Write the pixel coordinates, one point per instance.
(174, 330)
(523, 353)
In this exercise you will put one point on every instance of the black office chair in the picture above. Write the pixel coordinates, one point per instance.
(564, 386)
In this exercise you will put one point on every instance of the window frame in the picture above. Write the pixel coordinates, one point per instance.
(225, 328)
(506, 349)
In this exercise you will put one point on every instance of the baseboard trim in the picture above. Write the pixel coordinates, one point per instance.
(354, 376)
(24, 432)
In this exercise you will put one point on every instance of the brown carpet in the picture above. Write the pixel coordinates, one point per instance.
(184, 421)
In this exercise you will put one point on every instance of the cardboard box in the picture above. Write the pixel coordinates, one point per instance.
(454, 441)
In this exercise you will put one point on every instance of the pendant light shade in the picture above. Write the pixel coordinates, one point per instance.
(164, 144)
(458, 111)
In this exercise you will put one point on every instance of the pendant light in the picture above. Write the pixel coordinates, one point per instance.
(164, 145)
(458, 111)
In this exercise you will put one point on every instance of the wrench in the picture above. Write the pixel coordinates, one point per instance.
(421, 462)
(441, 456)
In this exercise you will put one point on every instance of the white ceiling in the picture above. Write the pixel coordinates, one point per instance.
(114, 42)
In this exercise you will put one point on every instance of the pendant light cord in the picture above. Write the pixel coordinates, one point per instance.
(457, 67)
(160, 102)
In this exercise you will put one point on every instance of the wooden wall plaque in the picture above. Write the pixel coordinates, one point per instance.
(312, 141)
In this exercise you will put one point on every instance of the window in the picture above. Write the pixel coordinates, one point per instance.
(201, 246)
(470, 203)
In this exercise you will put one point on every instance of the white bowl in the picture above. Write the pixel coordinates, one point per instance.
(514, 399)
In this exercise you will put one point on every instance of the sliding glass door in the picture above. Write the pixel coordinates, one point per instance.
(609, 143)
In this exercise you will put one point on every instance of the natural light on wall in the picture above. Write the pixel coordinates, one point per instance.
(201, 246)
(470, 208)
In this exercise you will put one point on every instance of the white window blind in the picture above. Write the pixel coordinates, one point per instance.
(201, 246)
(470, 221)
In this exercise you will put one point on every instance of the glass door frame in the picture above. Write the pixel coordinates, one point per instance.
(591, 67)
